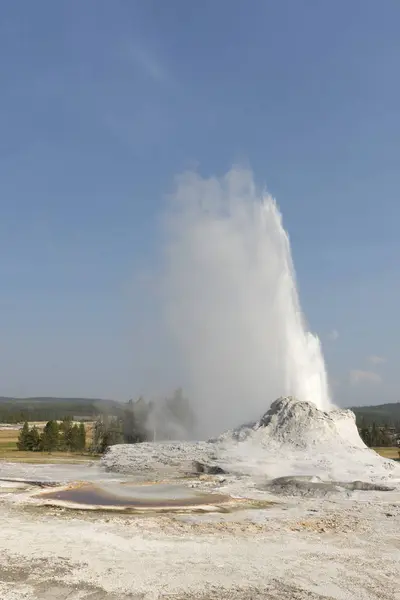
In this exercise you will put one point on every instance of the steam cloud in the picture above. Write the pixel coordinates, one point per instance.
(230, 305)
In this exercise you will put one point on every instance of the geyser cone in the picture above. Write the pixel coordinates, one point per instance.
(303, 425)
(295, 438)
(231, 302)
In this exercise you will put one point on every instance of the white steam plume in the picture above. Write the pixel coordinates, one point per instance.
(231, 305)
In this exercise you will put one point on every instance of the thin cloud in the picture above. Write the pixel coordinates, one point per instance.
(358, 377)
(376, 360)
(333, 335)
(142, 57)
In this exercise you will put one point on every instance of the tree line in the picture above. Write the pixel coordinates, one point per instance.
(378, 435)
(170, 419)
(136, 421)
(383, 415)
(17, 410)
(64, 436)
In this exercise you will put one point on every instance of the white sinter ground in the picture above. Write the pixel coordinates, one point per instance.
(344, 545)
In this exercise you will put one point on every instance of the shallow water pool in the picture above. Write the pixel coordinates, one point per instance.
(131, 495)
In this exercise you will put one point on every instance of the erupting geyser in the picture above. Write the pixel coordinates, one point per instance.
(232, 304)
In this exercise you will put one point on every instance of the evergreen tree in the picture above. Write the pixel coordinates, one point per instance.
(374, 435)
(74, 441)
(113, 434)
(65, 430)
(98, 434)
(134, 421)
(365, 435)
(23, 437)
(385, 438)
(34, 439)
(82, 437)
(130, 427)
(106, 432)
(28, 439)
(50, 437)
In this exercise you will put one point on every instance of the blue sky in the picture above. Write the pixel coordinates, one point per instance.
(103, 103)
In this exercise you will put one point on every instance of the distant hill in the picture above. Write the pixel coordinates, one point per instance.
(14, 410)
(381, 414)
(45, 408)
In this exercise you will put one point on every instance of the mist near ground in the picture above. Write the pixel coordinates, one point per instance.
(226, 311)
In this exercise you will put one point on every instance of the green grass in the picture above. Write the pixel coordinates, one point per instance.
(388, 452)
(8, 446)
(10, 453)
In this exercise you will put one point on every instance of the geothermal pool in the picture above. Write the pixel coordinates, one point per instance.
(126, 495)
